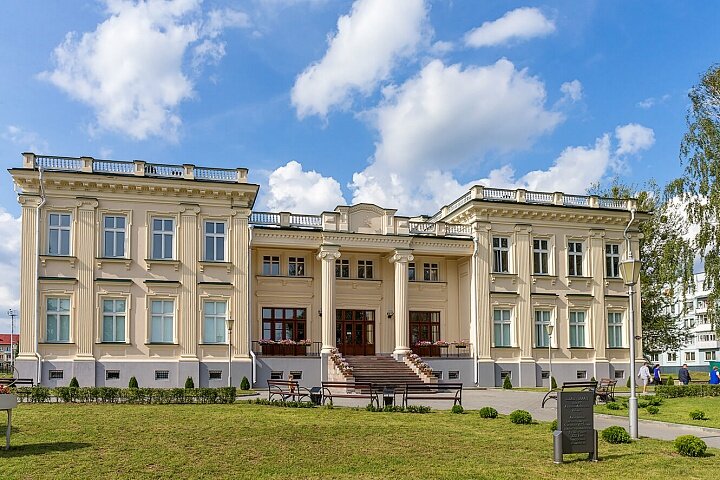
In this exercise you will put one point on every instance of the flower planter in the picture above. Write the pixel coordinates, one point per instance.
(426, 350)
(279, 349)
(8, 401)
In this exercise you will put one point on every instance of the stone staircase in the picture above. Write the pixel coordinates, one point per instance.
(382, 370)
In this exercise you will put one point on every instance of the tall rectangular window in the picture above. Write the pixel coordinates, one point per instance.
(612, 260)
(342, 268)
(542, 320)
(411, 272)
(214, 241)
(162, 320)
(501, 326)
(689, 356)
(57, 319)
(214, 328)
(424, 327)
(114, 320)
(296, 266)
(365, 269)
(577, 329)
(59, 234)
(431, 272)
(615, 336)
(540, 256)
(575, 259)
(114, 236)
(501, 248)
(284, 324)
(163, 232)
(271, 265)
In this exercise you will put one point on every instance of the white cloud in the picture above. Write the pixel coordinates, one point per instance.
(368, 44)
(130, 69)
(294, 190)
(572, 91)
(9, 265)
(27, 140)
(633, 137)
(442, 47)
(652, 101)
(519, 24)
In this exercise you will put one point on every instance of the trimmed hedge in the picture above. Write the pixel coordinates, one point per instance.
(553, 425)
(521, 417)
(457, 409)
(698, 415)
(128, 395)
(488, 412)
(615, 434)
(690, 446)
(695, 390)
(653, 410)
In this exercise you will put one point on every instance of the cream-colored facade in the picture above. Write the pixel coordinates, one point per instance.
(131, 268)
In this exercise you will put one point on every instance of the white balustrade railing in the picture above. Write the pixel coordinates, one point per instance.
(459, 202)
(113, 166)
(161, 170)
(499, 194)
(576, 200)
(612, 203)
(458, 230)
(539, 197)
(265, 218)
(215, 174)
(305, 220)
(422, 227)
(58, 163)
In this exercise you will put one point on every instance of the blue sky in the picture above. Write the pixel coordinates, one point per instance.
(404, 103)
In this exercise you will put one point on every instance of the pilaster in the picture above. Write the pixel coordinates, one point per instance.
(187, 256)
(599, 315)
(481, 322)
(85, 253)
(523, 317)
(28, 274)
(400, 258)
(239, 256)
(327, 255)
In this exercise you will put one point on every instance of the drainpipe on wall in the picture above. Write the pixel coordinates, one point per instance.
(249, 306)
(473, 309)
(37, 276)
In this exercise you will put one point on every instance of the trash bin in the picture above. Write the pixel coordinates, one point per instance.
(388, 396)
(315, 395)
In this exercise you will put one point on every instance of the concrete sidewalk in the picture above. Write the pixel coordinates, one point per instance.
(505, 401)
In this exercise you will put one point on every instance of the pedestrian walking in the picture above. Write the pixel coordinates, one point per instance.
(714, 376)
(656, 375)
(684, 374)
(644, 376)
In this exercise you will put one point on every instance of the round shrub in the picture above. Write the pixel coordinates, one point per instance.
(690, 446)
(669, 380)
(133, 382)
(507, 384)
(457, 409)
(74, 383)
(521, 417)
(643, 403)
(244, 384)
(655, 400)
(189, 382)
(652, 409)
(553, 382)
(488, 412)
(553, 425)
(613, 406)
(698, 415)
(615, 434)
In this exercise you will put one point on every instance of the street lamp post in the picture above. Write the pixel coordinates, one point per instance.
(549, 329)
(12, 315)
(229, 322)
(630, 272)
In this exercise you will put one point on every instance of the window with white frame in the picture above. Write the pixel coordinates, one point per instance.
(296, 266)
(214, 241)
(701, 303)
(542, 320)
(540, 256)
(615, 329)
(59, 234)
(431, 272)
(709, 356)
(163, 233)
(502, 327)
(612, 260)
(577, 328)
(113, 315)
(342, 268)
(672, 357)
(114, 236)
(701, 318)
(575, 259)
(57, 315)
(689, 356)
(365, 269)
(162, 321)
(501, 249)
(271, 265)
(654, 357)
(411, 272)
(214, 315)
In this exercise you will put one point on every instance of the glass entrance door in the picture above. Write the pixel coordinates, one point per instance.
(355, 332)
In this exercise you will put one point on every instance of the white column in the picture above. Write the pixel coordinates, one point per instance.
(28, 277)
(85, 229)
(401, 258)
(187, 256)
(327, 255)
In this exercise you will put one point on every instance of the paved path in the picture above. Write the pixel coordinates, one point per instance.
(505, 401)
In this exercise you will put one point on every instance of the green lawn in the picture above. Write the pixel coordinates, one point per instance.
(252, 441)
(677, 410)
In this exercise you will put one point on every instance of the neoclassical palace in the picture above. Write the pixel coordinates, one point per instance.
(134, 269)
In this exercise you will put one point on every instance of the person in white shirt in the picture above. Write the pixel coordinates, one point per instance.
(644, 376)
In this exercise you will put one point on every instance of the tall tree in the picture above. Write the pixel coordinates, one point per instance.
(698, 187)
(667, 264)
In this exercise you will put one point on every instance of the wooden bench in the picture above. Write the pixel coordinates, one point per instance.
(433, 391)
(17, 382)
(605, 390)
(351, 390)
(287, 389)
(588, 386)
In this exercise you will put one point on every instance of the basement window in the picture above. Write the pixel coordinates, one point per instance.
(619, 374)
(275, 375)
(545, 374)
(438, 374)
(505, 373)
(581, 374)
(215, 374)
(453, 375)
(56, 374)
(296, 375)
(162, 374)
(112, 375)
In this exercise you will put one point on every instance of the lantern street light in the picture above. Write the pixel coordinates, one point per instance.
(630, 272)
(229, 323)
(12, 314)
(549, 329)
